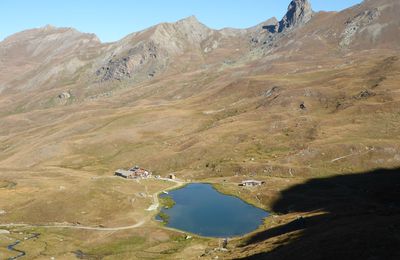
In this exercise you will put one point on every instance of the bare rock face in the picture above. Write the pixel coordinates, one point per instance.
(115, 69)
(356, 23)
(299, 12)
(262, 32)
(125, 67)
(144, 54)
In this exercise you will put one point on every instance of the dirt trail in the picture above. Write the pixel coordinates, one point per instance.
(156, 202)
(77, 227)
(152, 207)
(97, 228)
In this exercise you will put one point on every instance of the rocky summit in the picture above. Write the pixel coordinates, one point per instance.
(299, 13)
(303, 111)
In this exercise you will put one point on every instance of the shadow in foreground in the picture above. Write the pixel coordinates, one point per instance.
(362, 219)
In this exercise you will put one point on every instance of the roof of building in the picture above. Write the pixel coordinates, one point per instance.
(123, 172)
(252, 181)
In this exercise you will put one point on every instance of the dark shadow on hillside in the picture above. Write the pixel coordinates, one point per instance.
(270, 28)
(362, 219)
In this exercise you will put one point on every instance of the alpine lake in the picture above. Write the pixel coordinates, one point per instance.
(200, 209)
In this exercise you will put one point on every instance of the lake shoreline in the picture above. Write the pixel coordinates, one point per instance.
(207, 199)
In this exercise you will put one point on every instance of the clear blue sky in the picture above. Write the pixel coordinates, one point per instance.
(113, 19)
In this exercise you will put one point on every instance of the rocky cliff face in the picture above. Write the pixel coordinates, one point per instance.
(371, 24)
(354, 24)
(299, 12)
(126, 66)
(263, 32)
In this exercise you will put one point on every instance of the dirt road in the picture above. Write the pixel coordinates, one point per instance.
(152, 207)
(156, 202)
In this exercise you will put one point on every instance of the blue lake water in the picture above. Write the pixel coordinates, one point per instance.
(202, 210)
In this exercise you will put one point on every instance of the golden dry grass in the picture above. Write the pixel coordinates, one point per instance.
(202, 127)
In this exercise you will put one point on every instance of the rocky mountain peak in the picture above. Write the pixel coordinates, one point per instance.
(190, 19)
(177, 36)
(191, 25)
(48, 27)
(299, 12)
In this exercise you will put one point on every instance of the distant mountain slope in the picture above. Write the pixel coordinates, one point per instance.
(31, 58)
(39, 58)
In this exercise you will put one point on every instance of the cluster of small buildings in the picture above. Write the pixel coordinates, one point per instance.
(133, 173)
(140, 173)
(251, 183)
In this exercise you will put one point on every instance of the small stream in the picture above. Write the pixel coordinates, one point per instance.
(21, 253)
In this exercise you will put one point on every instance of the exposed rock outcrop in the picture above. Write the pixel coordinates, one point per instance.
(146, 53)
(364, 94)
(356, 23)
(261, 33)
(133, 61)
(39, 58)
(299, 13)
(64, 96)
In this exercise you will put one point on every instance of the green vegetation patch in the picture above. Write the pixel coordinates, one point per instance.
(117, 247)
(164, 217)
(180, 242)
(167, 202)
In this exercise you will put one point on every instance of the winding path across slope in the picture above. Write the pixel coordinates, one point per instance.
(156, 202)
(96, 228)
(152, 207)
(21, 253)
(77, 227)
